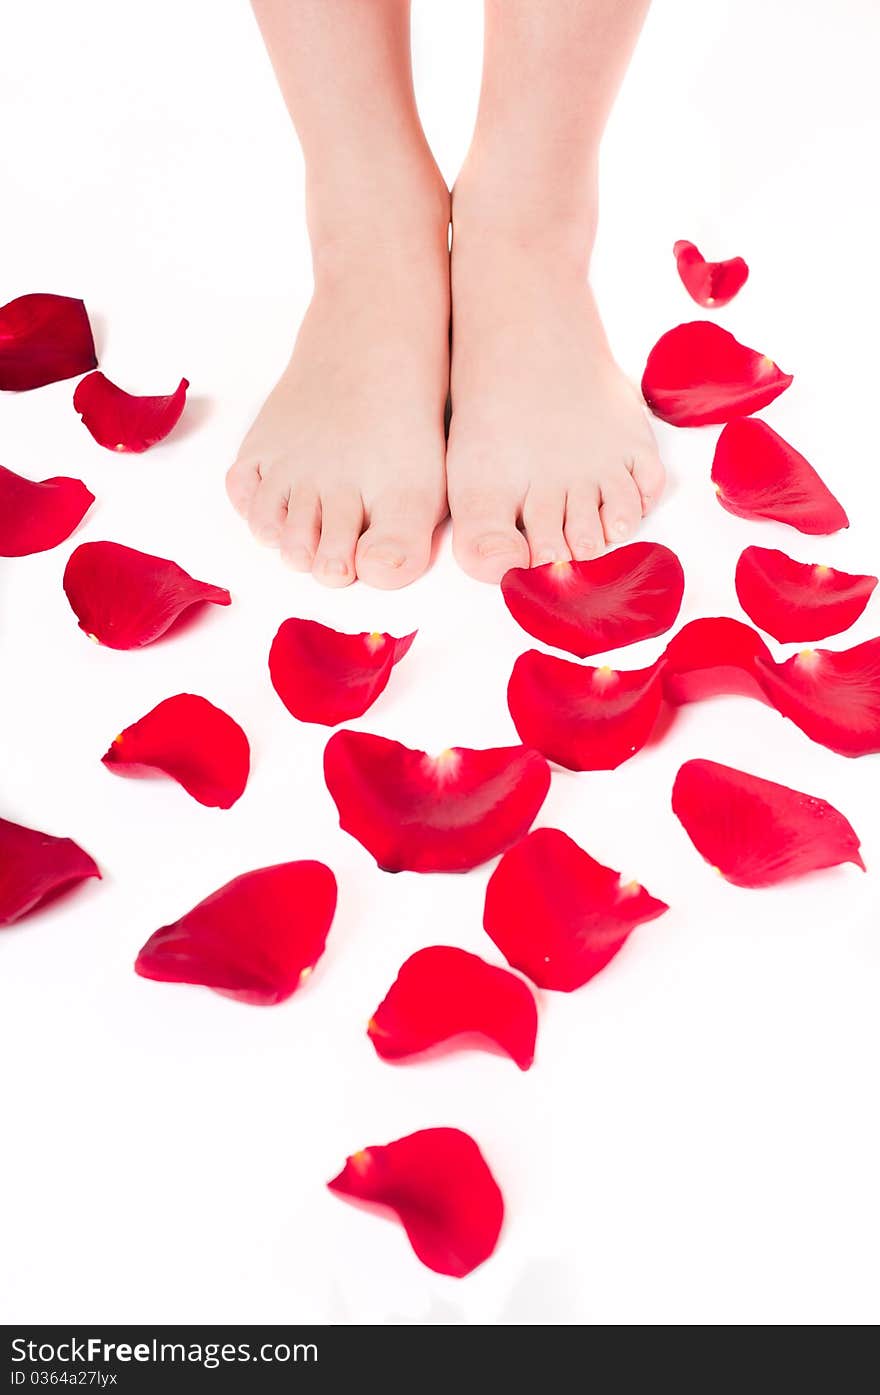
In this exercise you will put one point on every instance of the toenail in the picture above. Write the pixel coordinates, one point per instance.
(334, 566)
(547, 555)
(389, 557)
(494, 546)
(620, 530)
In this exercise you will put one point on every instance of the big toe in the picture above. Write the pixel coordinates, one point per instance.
(396, 548)
(485, 538)
(242, 483)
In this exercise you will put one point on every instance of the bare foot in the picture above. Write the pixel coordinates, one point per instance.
(551, 454)
(343, 470)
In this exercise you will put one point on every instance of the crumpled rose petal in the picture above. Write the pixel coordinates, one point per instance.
(697, 374)
(44, 338)
(123, 422)
(257, 939)
(757, 833)
(834, 697)
(125, 599)
(587, 608)
(798, 601)
(439, 1185)
(441, 993)
(559, 916)
(191, 740)
(35, 868)
(713, 657)
(757, 474)
(583, 718)
(419, 813)
(322, 675)
(37, 515)
(710, 284)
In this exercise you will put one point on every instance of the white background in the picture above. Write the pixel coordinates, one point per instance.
(698, 1140)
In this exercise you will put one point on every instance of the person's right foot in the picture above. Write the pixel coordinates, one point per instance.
(343, 470)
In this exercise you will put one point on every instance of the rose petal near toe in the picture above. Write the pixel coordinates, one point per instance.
(439, 1185)
(713, 657)
(799, 601)
(124, 598)
(757, 474)
(834, 697)
(589, 607)
(194, 742)
(697, 374)
(757, 833)
(257, 939)
(583, 718)
(123, 422)
(43, 339)
(559, 916)
(419, 813)
(710, 284)
(322, 675)
(441, 993)
(38, 515)
(35, 867)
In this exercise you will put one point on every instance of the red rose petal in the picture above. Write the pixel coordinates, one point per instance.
(834, 697)
(439, 1185)
(711, 284)
(797, 601)
(583, 718)
(324, 676)
(587, 608)
(559, 916)
(191, 740)
(35, 516)
(419, 813)
(440, 993)
(124, 598)
(759, 475)
(698, 374)
(757, 833)
(713, 657)
(35, 867)
(44, 338)
(256, 939)
(123, 422)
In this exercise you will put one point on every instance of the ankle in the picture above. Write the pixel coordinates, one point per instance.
(539, 216)
(402, 203)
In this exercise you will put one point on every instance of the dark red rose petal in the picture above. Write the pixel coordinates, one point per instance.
(440, 1187)
(587, 608)
(559, 916)
(759, 475)
(191, 740)
(698, 374)
(441, 993)
(797, 601)
(419, 813)
(583, 718)
(122, 422)
(44, 338)
(833, 697)
(35, 516)
(125, 599)
(35, 868)
(757, 833)
(713, 657)
(711, 284)
(324, 676)
(256, 939)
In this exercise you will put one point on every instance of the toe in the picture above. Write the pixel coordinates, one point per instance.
(583, 526)
(242, 483)
(485, 538)
(342, 517)
(396, 548)
(543, 516)
(299, 539)
(268, 510)
(621, 507)
(649, 476)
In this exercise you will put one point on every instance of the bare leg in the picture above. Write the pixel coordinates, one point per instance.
(547, 436)
(344, 467)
